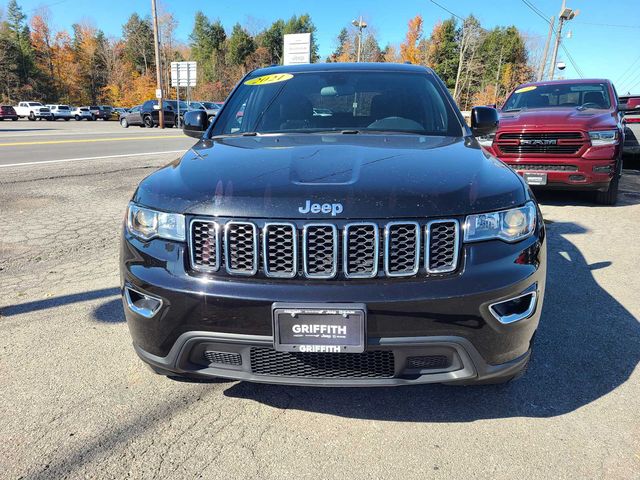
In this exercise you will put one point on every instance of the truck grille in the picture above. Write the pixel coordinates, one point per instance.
(544, 167)
(374, 364)
(556, 143)
(324, 250)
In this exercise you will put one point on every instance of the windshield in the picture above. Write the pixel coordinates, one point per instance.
(570, 95)
(211, 105)
(348, 101)
(174, 104)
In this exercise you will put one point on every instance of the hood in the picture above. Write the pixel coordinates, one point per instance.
(370, 176)
(562, 118)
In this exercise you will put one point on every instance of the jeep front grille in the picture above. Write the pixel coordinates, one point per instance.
(341, 250)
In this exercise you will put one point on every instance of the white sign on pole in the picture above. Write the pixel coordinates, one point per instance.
(297, 48)
(158, 93)
(183, 74)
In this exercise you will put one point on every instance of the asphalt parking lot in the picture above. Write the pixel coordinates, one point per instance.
(76, 402)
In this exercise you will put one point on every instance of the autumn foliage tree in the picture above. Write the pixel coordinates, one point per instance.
(410, 48)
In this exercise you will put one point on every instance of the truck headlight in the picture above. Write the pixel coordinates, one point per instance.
(486, 140)
(508, 225)
(146, 223)
(603, 137)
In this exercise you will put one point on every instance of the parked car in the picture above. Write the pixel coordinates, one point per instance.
(376, 246)
(60, 111)
(563, 134)
(108, 110)
(81, 113)
(210, 107)
(8, 112)
(120, 111)
(33, 111)
(132, 117)
(100, 112)
(151, 113)
(630, 107)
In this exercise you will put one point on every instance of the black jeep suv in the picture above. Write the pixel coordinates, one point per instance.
(372, 243)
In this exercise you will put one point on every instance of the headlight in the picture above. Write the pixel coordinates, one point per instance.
(604, 137)
(486, 140)
(147, 224)
(508, 225)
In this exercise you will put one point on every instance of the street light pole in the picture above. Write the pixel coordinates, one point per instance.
(565, 15)
(360, 25)
(156, 42)
(543, 64)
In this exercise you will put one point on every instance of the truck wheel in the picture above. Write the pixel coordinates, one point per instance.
(148, 121)
(67, 119)
(32, 117)
(609, 196)
(77, 117)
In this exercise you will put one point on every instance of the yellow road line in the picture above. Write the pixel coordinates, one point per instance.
(90, 140)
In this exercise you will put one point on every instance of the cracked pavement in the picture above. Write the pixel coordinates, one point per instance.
(76, 402)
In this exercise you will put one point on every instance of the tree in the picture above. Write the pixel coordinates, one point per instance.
(342, 42)
(19, 33)
(409, 49)
(272, 40)
(137, 35)
(442, 52)
(42, 45)
(240, 46)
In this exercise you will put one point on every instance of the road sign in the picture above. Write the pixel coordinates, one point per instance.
(183, 74)
(297, 48)
(158, 93)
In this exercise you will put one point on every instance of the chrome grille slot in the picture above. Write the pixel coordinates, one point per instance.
(402, 249)
(320, 250)
(205, 245)
(360, 250)
(280, 250)
(441, 246)
(241, 248)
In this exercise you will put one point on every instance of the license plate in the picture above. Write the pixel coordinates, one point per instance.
(326, 328)
(535, 178)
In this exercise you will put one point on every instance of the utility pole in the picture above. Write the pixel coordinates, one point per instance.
(565, 15)
(360, 25)
(156, 42)
(543, 64)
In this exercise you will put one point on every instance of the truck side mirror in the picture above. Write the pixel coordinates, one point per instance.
(484, 120)
(195, 122)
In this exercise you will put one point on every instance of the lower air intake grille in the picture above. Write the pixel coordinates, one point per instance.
(376, 364)
(224, 358)
(430, 362)
(544, 167)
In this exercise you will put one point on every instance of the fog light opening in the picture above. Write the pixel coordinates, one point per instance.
(142, 304)
(577, 178)
(514, 309)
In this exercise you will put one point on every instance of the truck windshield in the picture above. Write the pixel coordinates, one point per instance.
(346, 101)
(560, 95)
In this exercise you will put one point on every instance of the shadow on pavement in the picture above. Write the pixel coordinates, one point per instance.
(110, 312)
(17, 309)
(587, 346)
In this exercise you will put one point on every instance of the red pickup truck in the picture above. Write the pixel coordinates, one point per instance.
(564, 134)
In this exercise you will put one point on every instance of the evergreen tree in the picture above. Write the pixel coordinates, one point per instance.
(240, 46)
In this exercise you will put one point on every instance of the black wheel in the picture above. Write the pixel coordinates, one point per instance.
(32, 117)
(148, 121)
(77, 117)
(67, 119)
(610, 196)
(124, 123)
(2, 119)
(15, 119)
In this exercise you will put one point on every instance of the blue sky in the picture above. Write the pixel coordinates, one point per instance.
(603, 43)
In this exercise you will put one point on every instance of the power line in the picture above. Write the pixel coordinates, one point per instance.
(608, 25)
(628, 70)
(572, 61)
(447, 10)
(631, 82)
(536, 10)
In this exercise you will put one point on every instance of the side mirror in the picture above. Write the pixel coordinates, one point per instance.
(195, 122)
(484, 121)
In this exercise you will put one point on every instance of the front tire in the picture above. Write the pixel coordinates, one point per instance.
(610, 195)
(32, 117)
(124, 123)
(148, 121)
(77, 117)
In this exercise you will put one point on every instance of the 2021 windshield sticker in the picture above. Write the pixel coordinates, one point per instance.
(526, 89)
(266, 79)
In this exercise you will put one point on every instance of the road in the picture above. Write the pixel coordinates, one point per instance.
(25, 142)
(75, 402)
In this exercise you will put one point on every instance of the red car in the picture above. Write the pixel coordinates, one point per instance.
(564, 134)
(8, 112)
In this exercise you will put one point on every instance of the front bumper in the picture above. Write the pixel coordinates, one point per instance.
(447, 316)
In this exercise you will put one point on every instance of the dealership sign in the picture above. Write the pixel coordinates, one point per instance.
(297, 48)
(183, 74)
